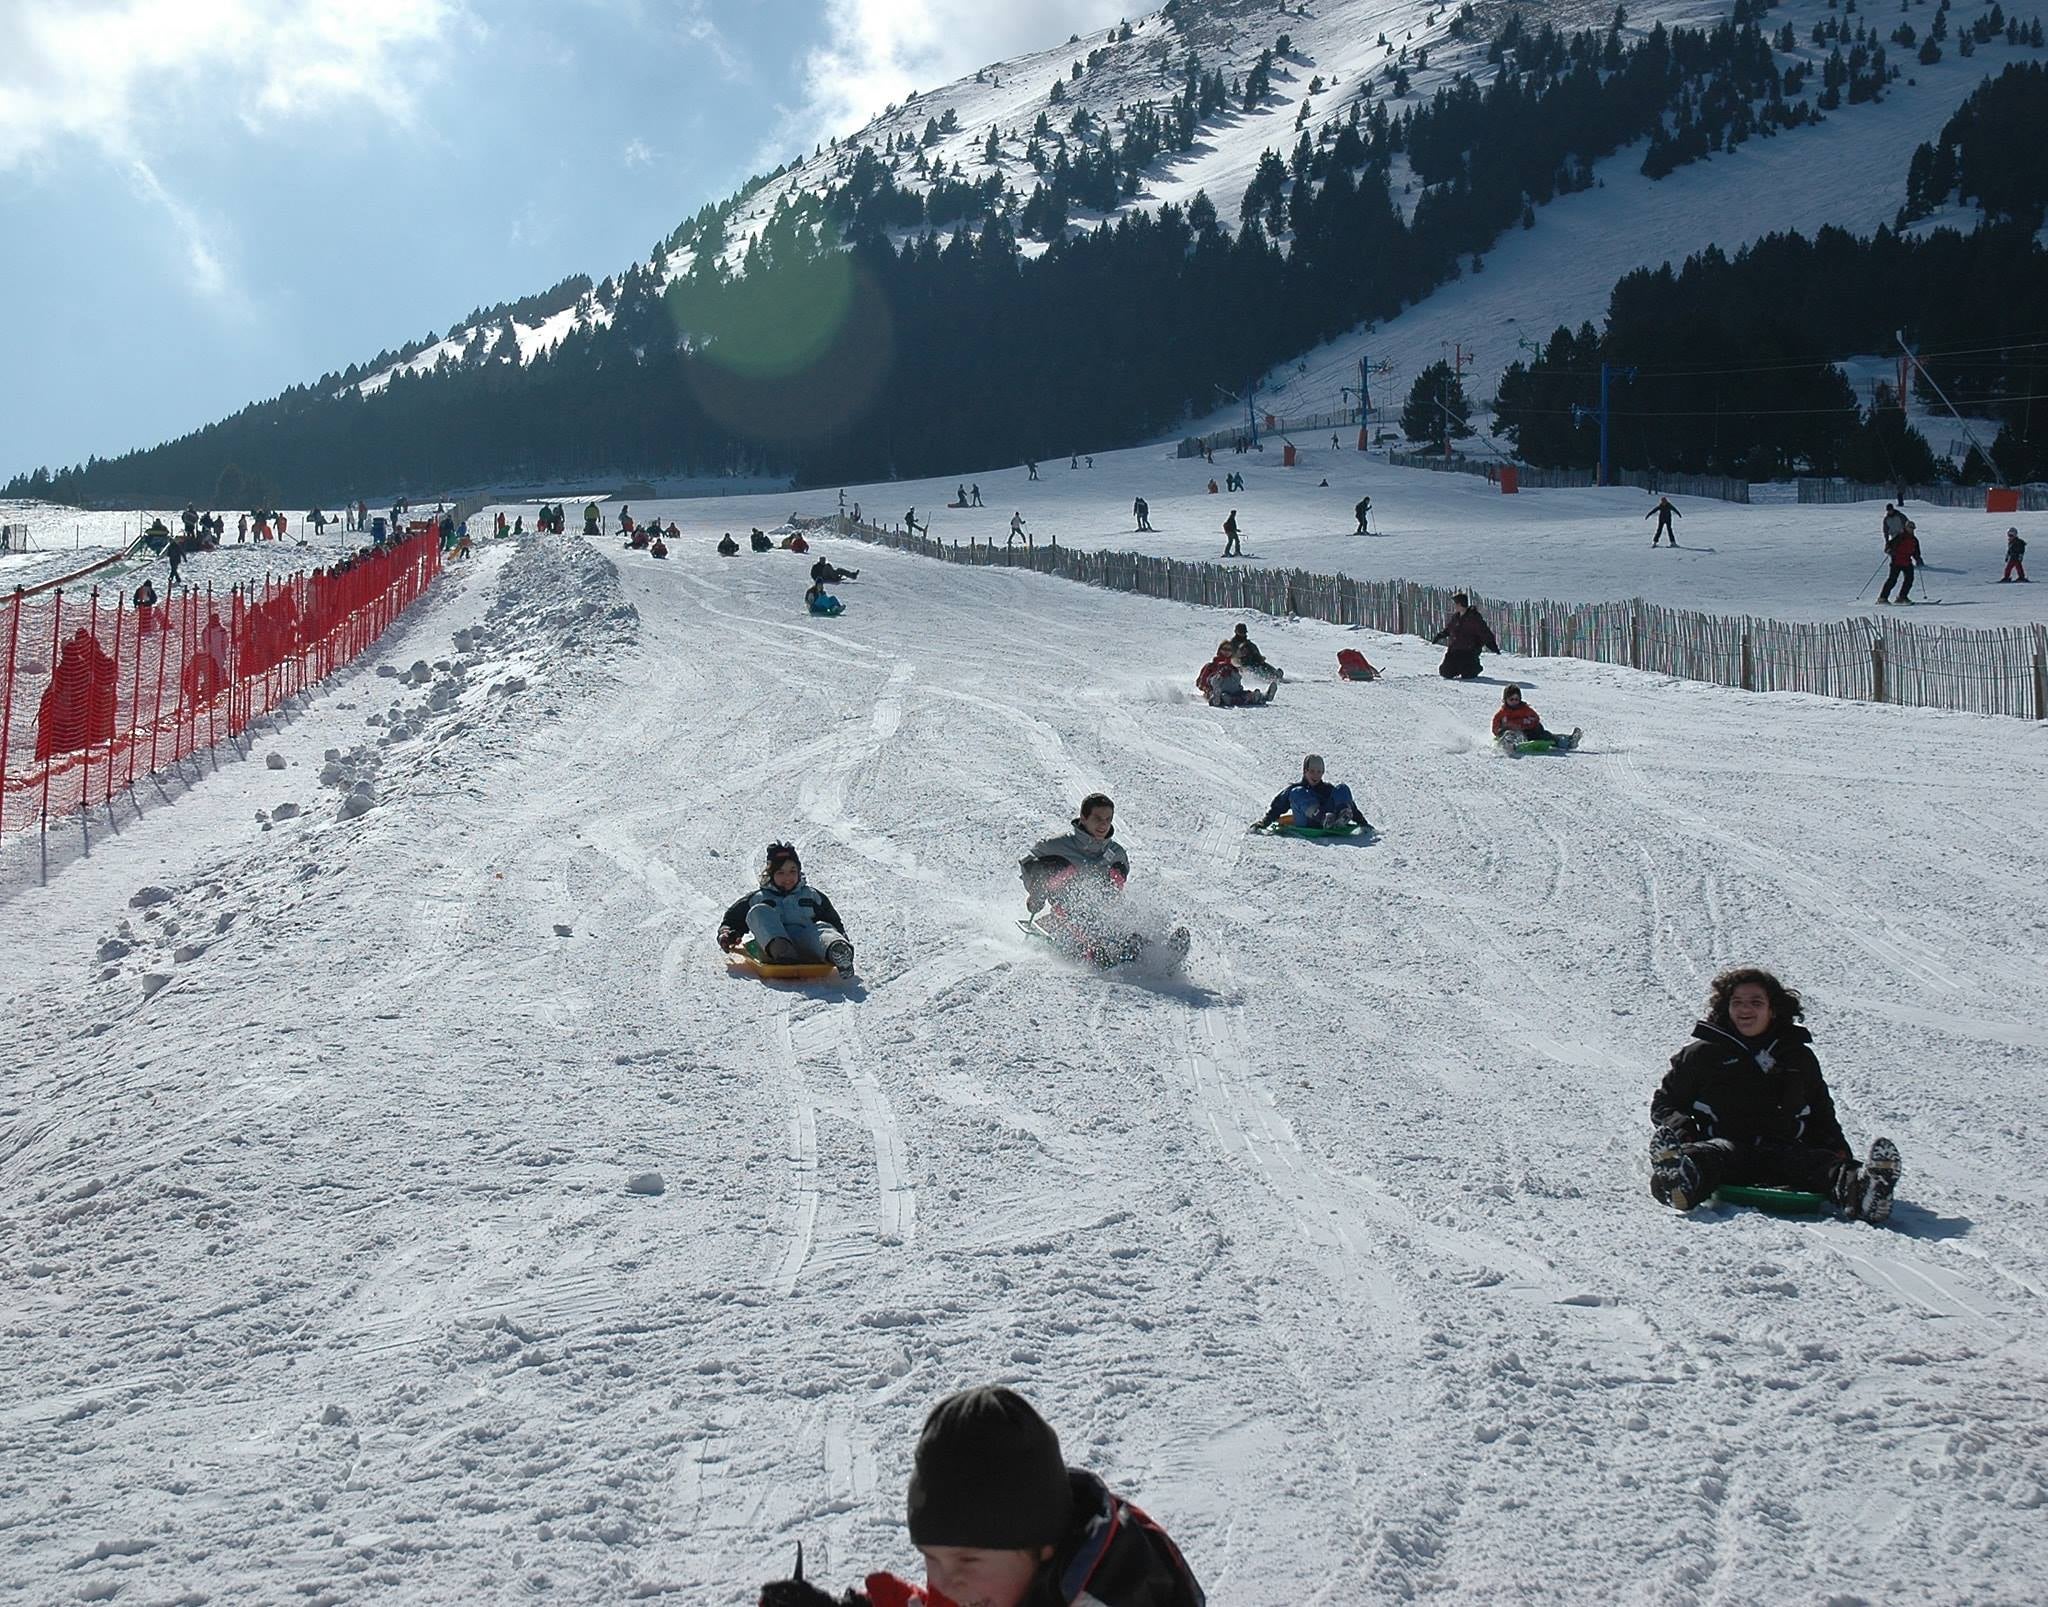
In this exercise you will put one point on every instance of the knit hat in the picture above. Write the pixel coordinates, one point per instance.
(989, 1474)
(777, 853)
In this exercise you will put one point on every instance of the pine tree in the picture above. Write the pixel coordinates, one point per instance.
(1437, 408)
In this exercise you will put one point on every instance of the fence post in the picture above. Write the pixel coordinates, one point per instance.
(56, 636)
(1748, 665)
(1877, 669)
(2040, 676)
(7, 697)
(1635, 633)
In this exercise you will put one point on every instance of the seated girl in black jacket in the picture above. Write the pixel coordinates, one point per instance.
(1745, 1102)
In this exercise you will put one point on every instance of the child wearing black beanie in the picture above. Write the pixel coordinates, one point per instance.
(1002, 1521)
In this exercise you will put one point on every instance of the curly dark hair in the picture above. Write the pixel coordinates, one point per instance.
(1786, 1007)
(1096, 800)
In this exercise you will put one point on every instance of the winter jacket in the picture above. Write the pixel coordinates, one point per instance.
(728, 546)
(1904, 549)
(1206, 676)
(1320, 799)
(1074, 862)
(1225, 684)
(1467, 633)
(1723, 1086)
(1517, 717)
(2015, 549)
(802, 903)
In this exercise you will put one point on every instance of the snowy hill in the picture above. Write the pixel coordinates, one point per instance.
(1848, 170)
(334, 1271)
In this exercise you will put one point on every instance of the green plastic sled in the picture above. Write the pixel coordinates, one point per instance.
(1780, 1202)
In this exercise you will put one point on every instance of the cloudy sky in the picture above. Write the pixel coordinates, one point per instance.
(202, 201)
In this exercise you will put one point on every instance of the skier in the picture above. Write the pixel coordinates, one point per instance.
(1002, 1521)
(790, 921)
(2015, 557)
(910, 523)
(1221, 682)
(1231, 548)
(1464, 636)
(974, 495)
(826, 573)
(1663, 513)
(1031, 465)
(1745, 1102)
(1016, 527)
(1363, 508)
(819, 601)
(1077, 879)
(1143, 510)
(1904, 551)
(1315, 802)
(1515, 722)
(727, 547)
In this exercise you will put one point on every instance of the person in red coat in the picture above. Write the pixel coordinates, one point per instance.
(1515, 722)
(1904, 551)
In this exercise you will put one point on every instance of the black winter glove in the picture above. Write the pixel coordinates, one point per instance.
(801, 1593)
(1674, 1134)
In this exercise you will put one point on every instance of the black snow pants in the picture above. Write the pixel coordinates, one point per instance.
(1901, 577)
(1769, 1163)
(1460, 664)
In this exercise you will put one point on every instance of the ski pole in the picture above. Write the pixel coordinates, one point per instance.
(1860, 590)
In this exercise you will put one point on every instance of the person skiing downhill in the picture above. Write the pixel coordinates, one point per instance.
(1363, 509)
(1745, 1102)
(1076, 880)
(1515, 722)
(791, 921)
(1663, 513)
(1904, 551)
(1002, 1521)
(1314, 802)
(1230, 542)
(2015, 557)
(1141, 510)
(1464, 636)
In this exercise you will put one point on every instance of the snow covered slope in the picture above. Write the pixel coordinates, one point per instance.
(324, 1280)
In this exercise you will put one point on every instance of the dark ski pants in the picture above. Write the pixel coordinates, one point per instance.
(1459, 665)
(1768, 1163)
(1901, 577)
(1231, 548)
(1664, 529)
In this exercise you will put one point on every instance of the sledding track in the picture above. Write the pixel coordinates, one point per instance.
(1334, 1252)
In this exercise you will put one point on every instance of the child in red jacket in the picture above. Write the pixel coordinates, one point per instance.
(1514, 722)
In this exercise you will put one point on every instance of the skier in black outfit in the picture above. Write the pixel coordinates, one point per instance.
(1143, 510)
(825, 573)
(1231, 548)
(1745, 1102)
(1464, 636)
(1663, 513)
(1363, 509)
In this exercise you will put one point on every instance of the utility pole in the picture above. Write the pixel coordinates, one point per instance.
(1606, 462)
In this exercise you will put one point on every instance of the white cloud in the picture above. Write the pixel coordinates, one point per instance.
(121, 78)
(700, 30)
(637, 153)
(878, 51)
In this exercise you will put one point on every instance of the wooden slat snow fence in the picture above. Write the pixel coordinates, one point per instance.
(1718, 486)
(1885, 660)
(2032, 498)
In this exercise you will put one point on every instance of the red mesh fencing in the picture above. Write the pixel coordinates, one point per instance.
(95, 697)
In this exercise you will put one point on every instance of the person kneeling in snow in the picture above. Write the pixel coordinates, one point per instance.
(727, 546)
(820, 601)
(1002, 1521)
(1745, 1102)
(790, 920)
(1515, 722)
(1315, 802)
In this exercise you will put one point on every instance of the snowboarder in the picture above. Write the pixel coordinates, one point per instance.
(1221, 682)
(1076, 879)
(1515, 722)
(819, 601)
(790, 921)
(2015, 557)
(1363, 508)
(727, 546)
(1002, 1521)
(1663, 513)
(1315, 802)
(1464, 637)
(826, 573)
(1745, 1102)
(1143, 510)
(1904, 551)
(1231, 548)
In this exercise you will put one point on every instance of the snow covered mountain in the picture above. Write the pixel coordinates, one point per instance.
(1009, 124)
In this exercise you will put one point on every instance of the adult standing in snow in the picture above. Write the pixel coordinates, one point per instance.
(791, 921)
(1363, 508)
(1002, 1521)
(1904, 551)
(1143, 511)
(1464, 637)
(1031, 467)
(1016, 527)
(1231, 546)
(1663, 513)
(1745, 1102)
(2015, 557)
(974, 495)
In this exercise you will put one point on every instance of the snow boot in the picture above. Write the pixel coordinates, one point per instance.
(1880, 1177)
(841, 956)
(1675, 1180)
